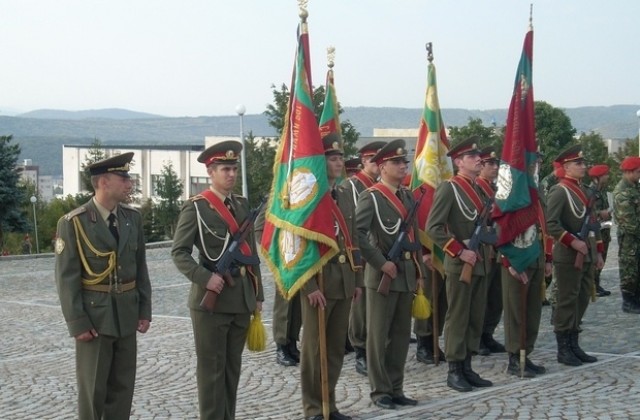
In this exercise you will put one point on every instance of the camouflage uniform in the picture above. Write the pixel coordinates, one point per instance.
(626, 199)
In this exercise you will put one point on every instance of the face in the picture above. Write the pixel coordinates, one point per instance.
(223, 176)
(335, 165)
(489, 169)
(117, 188)
(394, 171)
(370, 167)
(575, 169)
(469, 165)
(634, 176)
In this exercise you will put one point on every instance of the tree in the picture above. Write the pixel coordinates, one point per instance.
(260, 158)
(95, 153)
(153, 231)
(276, 112)
(554, 132)
(169, 190)
(489, 136)
(12, 217)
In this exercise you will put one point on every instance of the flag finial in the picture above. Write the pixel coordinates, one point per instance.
(429, 47)
(331, 56)
(302, 4)
(531, 16)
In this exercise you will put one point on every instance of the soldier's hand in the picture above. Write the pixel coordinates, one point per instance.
(521, 277)
(579, 246)
(317, 298)
(468, 256)
(426, 259)
(604, 215)
(215, 283)
(87, 335)
(548, 269)
(143, 325)
(259, 306)
(357, 294)
(390, 269)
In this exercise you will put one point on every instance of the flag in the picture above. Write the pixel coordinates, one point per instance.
(330, 118)
(516, 211)
(431, 165)
(299, 236)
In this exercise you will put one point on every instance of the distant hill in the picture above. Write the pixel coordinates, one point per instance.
(111, 114)
(41, 138)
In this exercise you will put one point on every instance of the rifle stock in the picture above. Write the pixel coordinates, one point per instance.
(584, 232)
(208, 302)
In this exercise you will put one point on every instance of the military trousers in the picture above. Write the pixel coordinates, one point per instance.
(358, 322)
(287, 319)
(493, 312)
(629, 264)
(336, 316)
(219, 342)
(512, 292)
(106, 374)
(388, 334)
(606, 240)
(465, 316)
(424, 327)
(574, 291)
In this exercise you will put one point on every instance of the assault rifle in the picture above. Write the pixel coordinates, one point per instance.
(480, 235)
(589, 224)
(230, 257)
(401, 244)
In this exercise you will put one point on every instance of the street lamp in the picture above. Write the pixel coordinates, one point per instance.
(240, 110)
(638, 115)
(33, 200)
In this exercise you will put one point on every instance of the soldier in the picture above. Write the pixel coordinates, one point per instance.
(353, 166)
(379, 214)
(487, 183)
(512, 290)
(287, 317)
(207, 221)
(365, 178)
(567, 209)
(457, 206)
(626, 209)
(342, 283)
(599, 175)
(105, 293)
(545, 185)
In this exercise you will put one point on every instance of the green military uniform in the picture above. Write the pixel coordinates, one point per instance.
(601, 203)
(103, 284)
(287, 316)
(219, 336)
(339, 283)
(457, 205)
(566, 207)
(626, 205)
(388, 317)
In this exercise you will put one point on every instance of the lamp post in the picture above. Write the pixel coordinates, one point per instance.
(34, 200)
(240, 110)
(638, 115)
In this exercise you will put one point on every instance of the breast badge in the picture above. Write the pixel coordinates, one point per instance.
(59, 246)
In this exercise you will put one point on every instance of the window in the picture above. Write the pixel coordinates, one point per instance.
(198, 184)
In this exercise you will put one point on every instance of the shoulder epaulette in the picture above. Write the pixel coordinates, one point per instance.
(128, 207)
(196, 197)
(74, 213)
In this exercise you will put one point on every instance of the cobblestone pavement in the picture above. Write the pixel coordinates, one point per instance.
(37, 372)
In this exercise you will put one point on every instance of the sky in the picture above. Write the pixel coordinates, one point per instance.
(204, 57)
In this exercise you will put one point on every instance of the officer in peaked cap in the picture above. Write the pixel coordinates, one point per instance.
(489, 155)
(353, 166)
(355, 185)
(117, 165)
(567, 204)
(104, 289)
(394, 150)
(206, 222)
(224, 152)
(468, 146)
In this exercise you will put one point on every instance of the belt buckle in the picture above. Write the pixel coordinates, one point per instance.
(117, 288)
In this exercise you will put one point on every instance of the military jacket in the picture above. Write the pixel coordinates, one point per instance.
(201, 226)
(376, 218)
(601, 200)
(339, 277)
(565, 215)
(356, 184)
(451, 222)
(109, 313)
(626, 208)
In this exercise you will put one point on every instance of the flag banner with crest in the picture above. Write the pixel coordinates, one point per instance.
(516, 209)
(431, 165)
(299, 233)
(330, 118)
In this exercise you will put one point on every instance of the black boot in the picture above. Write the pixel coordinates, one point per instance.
(293, 351)
(629, 303)
(472, 377)
(483, 350)
(565, 355)
(424, 351)
(575, 348)
(348, 348)
(283, 357)
(492, 344)
(361, 361)
(456, 379)
(514, 367)
(552, 318)
(537, 369)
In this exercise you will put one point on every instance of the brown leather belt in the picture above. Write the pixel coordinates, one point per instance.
(109, 288)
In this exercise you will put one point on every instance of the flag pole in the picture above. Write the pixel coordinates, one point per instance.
(435, 279)
(322, 336)
(524, 287)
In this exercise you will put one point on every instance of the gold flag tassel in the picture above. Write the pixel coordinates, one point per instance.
(256, 336)
(421, 308)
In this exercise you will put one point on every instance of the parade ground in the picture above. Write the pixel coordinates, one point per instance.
(37, 368)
